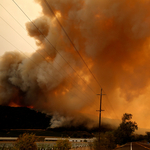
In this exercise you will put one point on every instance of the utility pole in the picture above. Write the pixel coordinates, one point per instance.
(100, 110)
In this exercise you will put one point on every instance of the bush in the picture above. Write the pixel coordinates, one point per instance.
(107, 142)
(63, 144)
(26, 142)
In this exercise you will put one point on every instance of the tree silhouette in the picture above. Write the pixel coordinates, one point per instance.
(125, 130)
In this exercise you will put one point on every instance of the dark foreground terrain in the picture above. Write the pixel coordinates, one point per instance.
(18, 120)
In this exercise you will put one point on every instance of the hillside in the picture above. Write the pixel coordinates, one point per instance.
(22, 118)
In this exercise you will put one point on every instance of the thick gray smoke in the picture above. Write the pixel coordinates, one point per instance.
(113, 39)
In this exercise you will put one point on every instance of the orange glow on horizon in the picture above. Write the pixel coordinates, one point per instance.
(30, 107)
(12, 104)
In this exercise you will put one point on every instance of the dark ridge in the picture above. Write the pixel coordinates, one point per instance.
(22, 118)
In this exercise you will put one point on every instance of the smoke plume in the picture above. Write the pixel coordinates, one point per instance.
(113, 39)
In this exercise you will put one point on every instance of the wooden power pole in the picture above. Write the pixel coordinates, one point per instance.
(100, 110)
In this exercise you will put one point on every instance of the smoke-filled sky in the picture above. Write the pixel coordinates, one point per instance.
(111, 36)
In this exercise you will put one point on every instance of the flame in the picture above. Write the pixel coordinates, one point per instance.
(31, 107)
(12, 104)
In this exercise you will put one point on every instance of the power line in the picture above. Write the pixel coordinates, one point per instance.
(17, 32)
(23, 53)
(53, 47)
(73, 45)
(40, 54)
(58, 51)
(32, 60)
(37, 51)
(11, 16)
(72, 42)
(111, 106)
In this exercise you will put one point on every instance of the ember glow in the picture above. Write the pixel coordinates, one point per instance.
(113, 37)
(12, 104)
